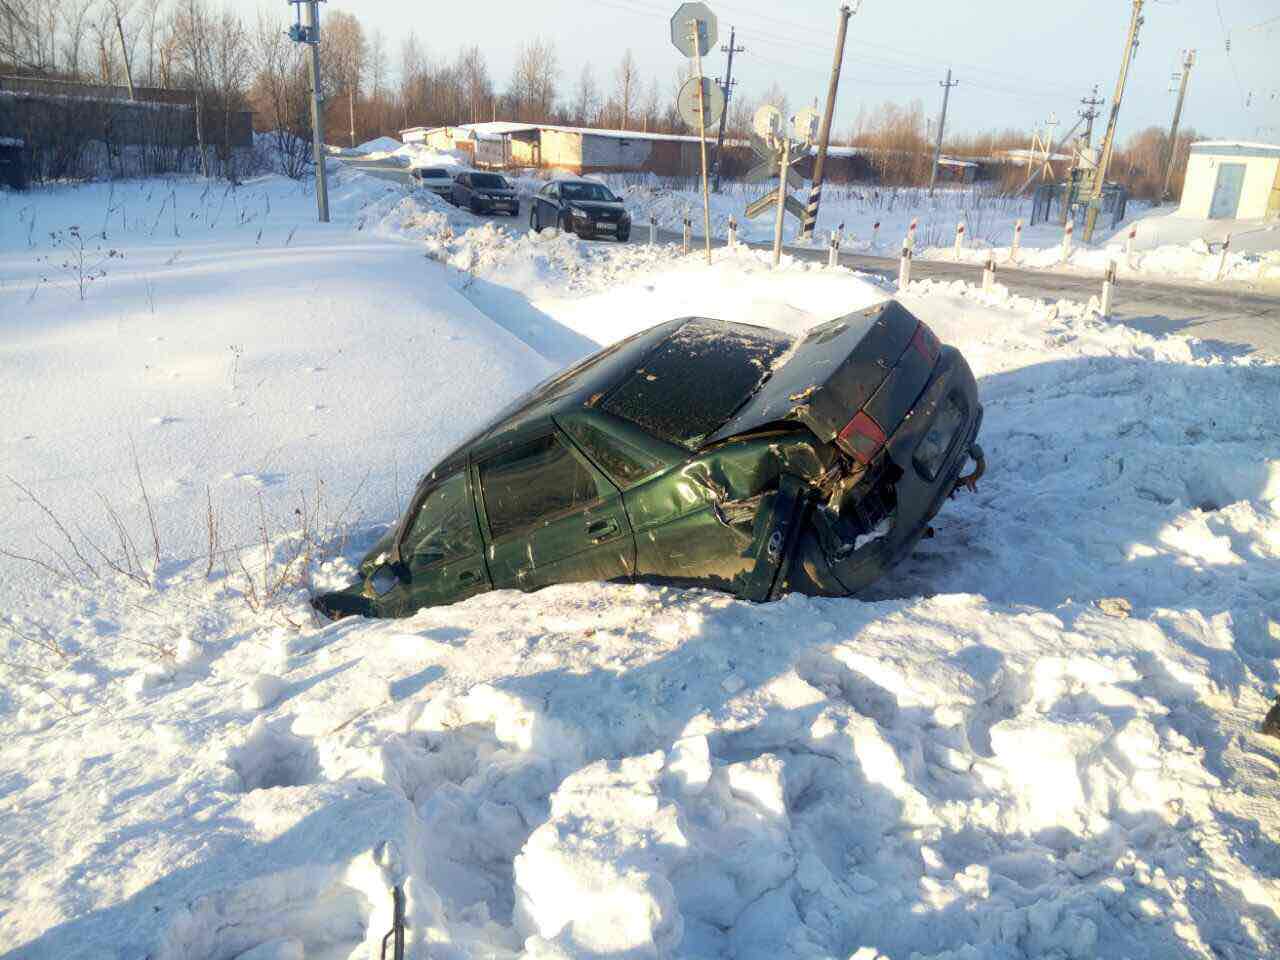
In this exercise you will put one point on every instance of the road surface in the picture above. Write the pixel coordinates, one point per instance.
(1231, 318)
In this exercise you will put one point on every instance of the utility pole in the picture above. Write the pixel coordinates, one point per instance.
(824, 134)
(727, 87)
(1108, 140)
(1187, 61)
(1090, 113)
(308, 32)
(942, 122)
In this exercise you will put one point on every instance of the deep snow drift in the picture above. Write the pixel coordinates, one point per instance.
(1037, 738)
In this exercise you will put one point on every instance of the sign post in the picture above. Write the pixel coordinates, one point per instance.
(693, 32)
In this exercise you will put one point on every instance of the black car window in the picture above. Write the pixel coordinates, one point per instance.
(588, 191)
(445, 527)
(533, 483)
(488, 181)
(696, 379)
(433, 172)
(461, 178)
(623, 462)
(549, 191)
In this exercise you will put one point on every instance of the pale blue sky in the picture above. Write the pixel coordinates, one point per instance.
(1016, 60)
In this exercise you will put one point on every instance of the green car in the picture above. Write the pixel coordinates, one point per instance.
(698, 452)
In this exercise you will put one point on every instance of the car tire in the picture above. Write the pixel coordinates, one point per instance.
(624, 235)
(533, 220)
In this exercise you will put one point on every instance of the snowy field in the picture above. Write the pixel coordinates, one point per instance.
(1036, 738)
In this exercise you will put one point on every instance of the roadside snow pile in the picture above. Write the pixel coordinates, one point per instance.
(1037, 738)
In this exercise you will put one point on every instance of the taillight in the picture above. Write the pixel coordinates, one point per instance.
(862, 437)
(926, 344)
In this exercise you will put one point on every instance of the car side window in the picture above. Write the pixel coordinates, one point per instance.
(620, 460)
(445, 527)
(533, 484)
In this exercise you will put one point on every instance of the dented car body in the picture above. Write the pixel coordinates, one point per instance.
(698, 452)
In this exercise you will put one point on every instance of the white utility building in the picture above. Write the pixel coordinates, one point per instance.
(1231, 180)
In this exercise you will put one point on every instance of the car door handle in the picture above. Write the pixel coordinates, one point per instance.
(601, 530)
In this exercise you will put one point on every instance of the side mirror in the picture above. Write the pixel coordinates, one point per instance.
(381, 581)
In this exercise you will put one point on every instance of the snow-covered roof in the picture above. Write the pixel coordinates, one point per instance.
(1236, 147)
(490, 129)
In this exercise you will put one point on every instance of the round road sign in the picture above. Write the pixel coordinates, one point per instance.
(804, 125)
(683, 30)
(712, 103)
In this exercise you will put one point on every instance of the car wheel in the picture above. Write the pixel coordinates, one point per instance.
(533, 220)
(624, 235)
(565, 225)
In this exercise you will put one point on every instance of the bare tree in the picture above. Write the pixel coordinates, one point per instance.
(345, 60)
(533, 82)
(626, 80)
(280, 94)
(586, 97)
(651, 112)
(477, 88)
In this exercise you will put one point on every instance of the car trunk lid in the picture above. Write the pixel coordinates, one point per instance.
(857, 367)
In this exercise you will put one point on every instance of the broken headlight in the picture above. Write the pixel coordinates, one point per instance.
(931, 451)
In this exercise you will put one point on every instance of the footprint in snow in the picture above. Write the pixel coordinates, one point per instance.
(164, 421)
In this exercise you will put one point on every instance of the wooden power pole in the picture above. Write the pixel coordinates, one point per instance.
(1108, 140)
(942, 122)
(1187, 61)
(731, 49)
(824, 134)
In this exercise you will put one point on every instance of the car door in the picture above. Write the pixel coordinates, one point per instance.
(442, 553)
(550, 517)
(548, 206)
(458, 193)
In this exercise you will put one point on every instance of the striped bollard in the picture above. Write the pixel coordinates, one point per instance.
(989, 272)
(959, 238)
(1128, 245)
(653, 229)
(1108, 281)
(688, 233)
(1222, 260)
(733, 233)
(1066, 240)
(904, 268)
(875, 234)
(911, 234)
(1017, 241)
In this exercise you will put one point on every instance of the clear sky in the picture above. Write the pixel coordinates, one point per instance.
(1017, 60)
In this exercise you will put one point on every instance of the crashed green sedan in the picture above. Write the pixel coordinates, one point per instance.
(702, 453)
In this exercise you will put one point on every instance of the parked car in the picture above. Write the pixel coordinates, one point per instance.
(485, 193)
(585, 207)
(698, 452)
(435, 179)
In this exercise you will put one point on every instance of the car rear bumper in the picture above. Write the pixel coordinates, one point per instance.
(918, 498)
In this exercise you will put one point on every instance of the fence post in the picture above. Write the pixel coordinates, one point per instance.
(875, 234)
(653, 229)
(1108, 281)
(1066, 240)
(1222, 260)
(733, 233)
(688, 232)
(959, 238)
(1017, 241)
(911, 234)
(904, 268)
(989, 272)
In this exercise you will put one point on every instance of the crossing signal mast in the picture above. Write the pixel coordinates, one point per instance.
(306, 29)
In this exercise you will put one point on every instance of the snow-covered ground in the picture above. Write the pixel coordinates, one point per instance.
(1037, 738)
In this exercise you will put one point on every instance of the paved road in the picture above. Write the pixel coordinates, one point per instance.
(1232, 319)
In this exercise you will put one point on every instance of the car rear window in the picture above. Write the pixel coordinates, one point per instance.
(435, 173)
(696, 379)
(490, 181)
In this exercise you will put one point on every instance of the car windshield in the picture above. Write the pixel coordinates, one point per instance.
(587, 191)
(488, 181)
(697, 379)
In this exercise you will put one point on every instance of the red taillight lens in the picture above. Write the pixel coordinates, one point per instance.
(926, 344)
(862, 437)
